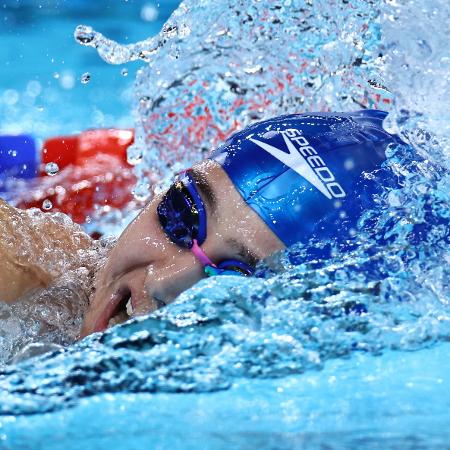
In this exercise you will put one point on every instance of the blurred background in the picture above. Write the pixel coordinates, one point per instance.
(42, 67)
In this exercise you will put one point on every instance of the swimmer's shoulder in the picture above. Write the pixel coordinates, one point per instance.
(35, 249)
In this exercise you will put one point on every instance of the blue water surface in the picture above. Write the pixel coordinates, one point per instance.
(397, 401)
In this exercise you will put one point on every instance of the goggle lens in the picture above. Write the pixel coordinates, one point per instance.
(183, 218)
(179, 216)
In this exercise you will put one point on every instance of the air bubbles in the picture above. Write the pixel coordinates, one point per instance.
(47, 205)
(85, 78)
(183, 31)
(394, 199)
(51, 169)
(145, 100)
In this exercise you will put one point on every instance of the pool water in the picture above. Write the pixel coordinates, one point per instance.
(398, 401)
(348, 351)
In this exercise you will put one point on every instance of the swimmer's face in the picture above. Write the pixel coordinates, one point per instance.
(147, 268)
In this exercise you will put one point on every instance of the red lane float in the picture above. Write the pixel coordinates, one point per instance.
(93, 172)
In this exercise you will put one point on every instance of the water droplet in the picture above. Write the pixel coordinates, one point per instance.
(51, 168)
(84, 34)
(145, 103)
(124, 72)
(253, 69)
(149, 13)
(142, 191)
(67, 80)
(134, 154)
(349, 164)
(34, 88)
(10, 97)
(170, 31)
(85, 78)
(47, 204)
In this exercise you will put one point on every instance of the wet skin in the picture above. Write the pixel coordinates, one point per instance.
(148, 268)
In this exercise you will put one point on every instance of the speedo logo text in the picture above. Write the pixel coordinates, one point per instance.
(303, 158)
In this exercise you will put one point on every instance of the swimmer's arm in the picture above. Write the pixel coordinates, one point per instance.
(22, 244)
(15, 277)
(16, 280)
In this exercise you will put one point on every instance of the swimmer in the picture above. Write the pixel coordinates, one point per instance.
(277, 182)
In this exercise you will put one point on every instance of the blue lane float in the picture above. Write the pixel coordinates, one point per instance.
(18, 157)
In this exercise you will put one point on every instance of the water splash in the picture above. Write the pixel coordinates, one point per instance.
(389, 291)
(112, 52)
(417, 68)
(262, 61)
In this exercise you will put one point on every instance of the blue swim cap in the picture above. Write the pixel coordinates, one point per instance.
(307, 175)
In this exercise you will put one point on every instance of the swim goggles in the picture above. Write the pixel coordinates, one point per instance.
(182, 215)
